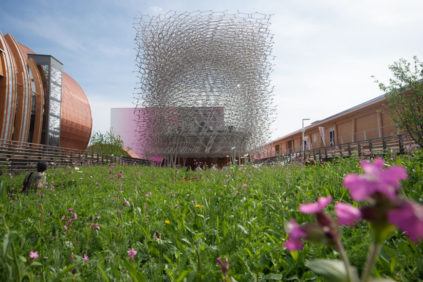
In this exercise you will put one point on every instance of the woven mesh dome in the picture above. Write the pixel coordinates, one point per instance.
(204, 80)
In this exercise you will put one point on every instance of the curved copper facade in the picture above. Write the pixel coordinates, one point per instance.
(24, 100)
(76, 124)
(7, 91)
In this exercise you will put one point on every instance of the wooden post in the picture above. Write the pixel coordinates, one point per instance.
(384, 145)
(400, 144)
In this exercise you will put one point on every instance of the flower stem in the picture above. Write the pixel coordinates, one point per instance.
(344, 257)
(371, 261)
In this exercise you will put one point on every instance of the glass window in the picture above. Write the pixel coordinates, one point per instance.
(54, 124)
(56, 76)
(55, 108)
(56, 91)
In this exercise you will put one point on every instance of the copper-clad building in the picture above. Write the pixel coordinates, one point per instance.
(39, 103)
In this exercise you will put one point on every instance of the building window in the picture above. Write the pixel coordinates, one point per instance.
(332, 136)
(278, 149)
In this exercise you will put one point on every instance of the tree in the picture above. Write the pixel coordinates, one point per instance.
(404, 94)
(107, 143)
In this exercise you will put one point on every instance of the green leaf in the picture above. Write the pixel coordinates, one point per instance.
(332, 270)
(381, 280)
(103, 273)
(273, 276)
(243, 229)
(183, 275)
(132, 272)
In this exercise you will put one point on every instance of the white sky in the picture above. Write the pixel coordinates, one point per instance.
(325, 50)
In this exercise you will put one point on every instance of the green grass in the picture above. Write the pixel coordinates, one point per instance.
(244, 225)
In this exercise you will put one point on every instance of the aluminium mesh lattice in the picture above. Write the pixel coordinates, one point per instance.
(203, 83)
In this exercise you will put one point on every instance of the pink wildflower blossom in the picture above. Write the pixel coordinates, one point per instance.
(223, 266)
(86, 257)
(33, 255)
(126, 203)
(347, 214)
(75, 215)
(132, 253)
(293, 243)
(375, 179)
(70, 210)
(312, 208)
(95, 226)
(65, 227)
(244, 186)
(409, 218)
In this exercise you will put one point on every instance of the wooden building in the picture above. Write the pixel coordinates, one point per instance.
(365, 121)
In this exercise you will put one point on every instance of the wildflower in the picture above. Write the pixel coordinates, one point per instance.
(132, 253)
(197, 206)
(244, 186)
(223, 266)
(312, 208)
(70, 210)
(295, 232)
(126, 203)
(347, 214)
(374, 180)
(148, 194)
(167, 221)
(63, 218)
(65, 227)
(33, 255)
(10, 175)
(409, 218)
(95, 226)
(75, 215)
(86, 257)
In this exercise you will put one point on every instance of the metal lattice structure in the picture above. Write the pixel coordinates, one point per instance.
(203, 83)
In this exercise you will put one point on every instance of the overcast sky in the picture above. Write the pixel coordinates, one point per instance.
(325, 50)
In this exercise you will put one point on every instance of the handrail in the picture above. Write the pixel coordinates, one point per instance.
(16, 155)
(372, 147)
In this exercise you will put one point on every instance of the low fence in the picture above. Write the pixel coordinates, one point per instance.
(397, 144)
(16, 156)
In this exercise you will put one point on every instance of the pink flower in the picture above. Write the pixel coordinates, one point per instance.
(244, 186)
(293, 243)
(375, 179)
(347, 214)
(75, 215)
(224, 266)
(63, 218)
(86, 257)
(70, 210)
(33, 255)
(409, 218)
(127, 203)
(148, 194)
(311, 208)
(65, 227)
(132, 253)
(95, 226)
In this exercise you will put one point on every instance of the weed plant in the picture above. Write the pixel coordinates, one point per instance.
(89, 222)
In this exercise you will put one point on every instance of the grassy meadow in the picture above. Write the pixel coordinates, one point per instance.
(179, 222)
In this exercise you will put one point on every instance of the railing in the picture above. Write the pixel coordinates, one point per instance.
(24, 156)
(397, 144)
